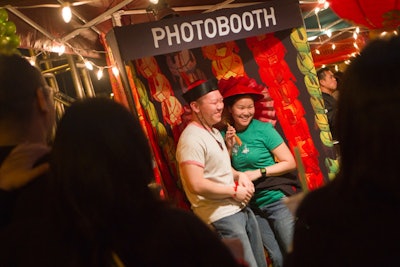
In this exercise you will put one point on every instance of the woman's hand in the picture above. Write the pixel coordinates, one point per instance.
(245, 189)
(230, 137)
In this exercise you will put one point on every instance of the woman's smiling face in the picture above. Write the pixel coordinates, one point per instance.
(242, 112)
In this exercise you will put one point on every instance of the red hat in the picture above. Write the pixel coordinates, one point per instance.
(235, 86)
(199, 88)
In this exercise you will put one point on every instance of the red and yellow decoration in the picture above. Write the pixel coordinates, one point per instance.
(269, 54)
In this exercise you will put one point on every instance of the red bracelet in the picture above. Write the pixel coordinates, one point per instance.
(235, 189)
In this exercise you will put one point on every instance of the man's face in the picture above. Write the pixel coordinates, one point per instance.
(329, 82)
(211, 106)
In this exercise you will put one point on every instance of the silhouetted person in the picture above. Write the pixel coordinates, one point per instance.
(351, 221)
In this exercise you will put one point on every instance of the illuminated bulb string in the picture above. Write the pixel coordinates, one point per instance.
(66, 12)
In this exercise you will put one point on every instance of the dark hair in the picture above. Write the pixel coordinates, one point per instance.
(19, 81)
(368, 117)
(102, 165)
(230, 101)
(321, 73)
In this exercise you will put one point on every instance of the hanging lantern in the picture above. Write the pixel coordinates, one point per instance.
(344, 50)
(372, 14)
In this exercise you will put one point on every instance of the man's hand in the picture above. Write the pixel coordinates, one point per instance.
(16, 170)
(243, 180)
(245, 189)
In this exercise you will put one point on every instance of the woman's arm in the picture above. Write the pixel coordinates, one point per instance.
(285, 163)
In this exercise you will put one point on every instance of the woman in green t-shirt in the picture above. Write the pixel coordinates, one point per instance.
(259, 150)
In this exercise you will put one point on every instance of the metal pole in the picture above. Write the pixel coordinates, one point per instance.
(75, 77)
(87, 82)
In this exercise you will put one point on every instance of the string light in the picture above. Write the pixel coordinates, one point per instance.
(59, 49)
(115, 71)
(100, 73)
(66, 12)
(328, 33)
(88, 64)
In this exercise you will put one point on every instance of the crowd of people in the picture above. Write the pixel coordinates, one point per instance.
(79, 195)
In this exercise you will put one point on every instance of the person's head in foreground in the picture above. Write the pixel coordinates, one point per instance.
(368, 116)
(26, 102)
(101, 163)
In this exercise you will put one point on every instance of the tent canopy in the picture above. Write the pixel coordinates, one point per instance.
(40, 25)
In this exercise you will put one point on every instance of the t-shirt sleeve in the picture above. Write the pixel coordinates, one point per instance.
(272, 137)
(190, 151)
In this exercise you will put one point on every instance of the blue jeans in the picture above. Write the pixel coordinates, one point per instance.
(243, 225)
(276, 224)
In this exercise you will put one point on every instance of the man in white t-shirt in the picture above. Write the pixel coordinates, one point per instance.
(218, 194)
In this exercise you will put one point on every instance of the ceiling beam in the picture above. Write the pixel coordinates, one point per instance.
(96, 20)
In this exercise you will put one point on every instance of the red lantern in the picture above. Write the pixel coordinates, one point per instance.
(373, 14)
(344, 50)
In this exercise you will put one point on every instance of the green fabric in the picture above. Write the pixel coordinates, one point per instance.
(258, 140)
(265, 197)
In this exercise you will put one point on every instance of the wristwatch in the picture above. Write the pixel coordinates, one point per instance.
(263, 172)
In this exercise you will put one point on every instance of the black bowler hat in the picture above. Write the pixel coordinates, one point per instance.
(199, 88)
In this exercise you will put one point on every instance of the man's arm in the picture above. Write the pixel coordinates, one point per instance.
(197, 184)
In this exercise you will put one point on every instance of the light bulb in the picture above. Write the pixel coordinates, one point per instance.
(58, 48)
(88, 65)
(66, 12)
(100, 73)
(329, 33)
(115, 71)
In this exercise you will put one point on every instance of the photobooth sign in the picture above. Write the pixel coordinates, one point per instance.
(166, 36)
